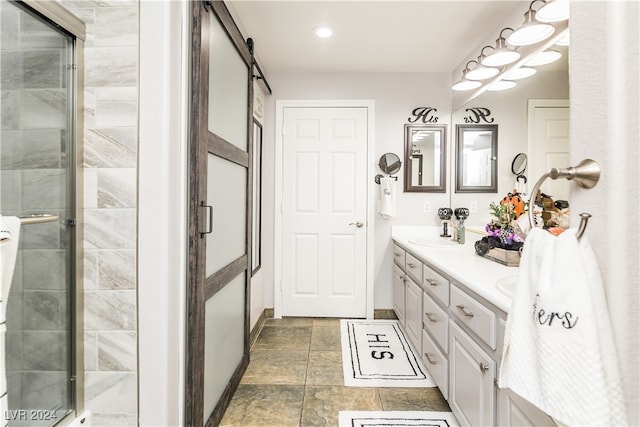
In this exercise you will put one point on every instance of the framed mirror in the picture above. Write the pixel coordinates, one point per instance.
(425, 158)
(476, 158)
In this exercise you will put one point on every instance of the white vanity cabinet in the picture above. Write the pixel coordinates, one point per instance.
(460, 335)
(398, 293)
(407, 294)
(413, 312)
(472, 372)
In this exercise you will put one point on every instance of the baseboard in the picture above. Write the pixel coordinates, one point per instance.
(384, 314)
(267, 313)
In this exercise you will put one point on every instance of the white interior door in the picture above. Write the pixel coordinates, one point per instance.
(324, 212)
(551, 148)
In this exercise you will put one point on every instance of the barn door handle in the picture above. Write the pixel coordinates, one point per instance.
(209, 229)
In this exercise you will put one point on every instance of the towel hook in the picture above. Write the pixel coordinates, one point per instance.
(586, 174)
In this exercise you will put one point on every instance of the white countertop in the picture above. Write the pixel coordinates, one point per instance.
(460, 262)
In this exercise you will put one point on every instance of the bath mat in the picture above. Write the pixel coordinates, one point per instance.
(396, 418)
(375, 353)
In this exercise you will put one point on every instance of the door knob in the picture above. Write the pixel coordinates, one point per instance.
(357, 224)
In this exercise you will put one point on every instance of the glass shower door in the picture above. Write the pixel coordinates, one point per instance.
(36, 161)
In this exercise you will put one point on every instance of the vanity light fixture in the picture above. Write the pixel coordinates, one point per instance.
(323, 31)
(532, 31)
(501, 54)
(545, 57)
(464, 83)
(553, 11)
(480, 72)
(519, 73)
(501, 85)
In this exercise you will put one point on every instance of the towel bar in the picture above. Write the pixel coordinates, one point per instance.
(586, 174)
(38, 219)
(377, 178)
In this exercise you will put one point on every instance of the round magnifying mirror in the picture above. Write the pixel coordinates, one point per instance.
(519, 164)
(389, 163)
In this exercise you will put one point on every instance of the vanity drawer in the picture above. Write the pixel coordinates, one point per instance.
(436, 321)
(436, 284)
(472, 313)
(413, 267)
(398, 255)
(436, 363)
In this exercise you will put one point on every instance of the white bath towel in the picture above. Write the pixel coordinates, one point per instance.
(10, 226)
(388, 197)
(559, 352)
(8, 253)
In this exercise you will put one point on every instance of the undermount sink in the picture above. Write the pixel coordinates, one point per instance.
(507, 285)
(435, 242)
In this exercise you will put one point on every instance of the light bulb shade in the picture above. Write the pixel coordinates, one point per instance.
(531, 31)
(519, 73)
(464, 84)
(501, 54)
(501, 85)
(482, 73)
(553, 11)
(543, 58)
(500, 57)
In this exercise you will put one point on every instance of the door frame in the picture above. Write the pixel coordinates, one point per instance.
(531, 121)
(281, 104)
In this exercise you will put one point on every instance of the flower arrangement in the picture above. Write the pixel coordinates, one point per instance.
(501, 225)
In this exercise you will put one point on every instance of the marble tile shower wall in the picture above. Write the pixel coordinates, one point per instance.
(110, 144)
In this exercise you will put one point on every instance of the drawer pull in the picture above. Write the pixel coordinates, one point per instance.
(463, 310)
(430, 316)
(431, 282)
(429, 357)
(411, 265)
(484, 367)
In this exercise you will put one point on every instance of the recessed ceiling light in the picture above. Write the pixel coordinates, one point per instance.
(323, 31)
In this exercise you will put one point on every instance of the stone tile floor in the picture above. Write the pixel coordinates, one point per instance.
(295, 378)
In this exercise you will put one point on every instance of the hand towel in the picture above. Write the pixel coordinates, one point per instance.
(558, 350)
(388, 197)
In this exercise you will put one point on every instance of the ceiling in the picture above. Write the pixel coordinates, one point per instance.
(370, 36)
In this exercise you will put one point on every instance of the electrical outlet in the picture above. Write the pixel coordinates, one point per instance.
(427, 207)
(473, 207)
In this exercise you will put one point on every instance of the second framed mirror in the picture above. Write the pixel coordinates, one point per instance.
(425, 158)
(476, 158)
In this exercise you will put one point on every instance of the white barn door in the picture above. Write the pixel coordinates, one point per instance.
(324, 212)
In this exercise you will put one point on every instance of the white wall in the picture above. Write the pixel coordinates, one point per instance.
(395, 95)
(605, 126)
(162, 201)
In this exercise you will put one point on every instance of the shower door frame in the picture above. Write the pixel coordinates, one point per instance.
(56, 14)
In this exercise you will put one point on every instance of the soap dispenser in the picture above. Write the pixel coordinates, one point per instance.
(461, 214)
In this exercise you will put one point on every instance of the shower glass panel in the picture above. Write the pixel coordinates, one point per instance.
(36, 160)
